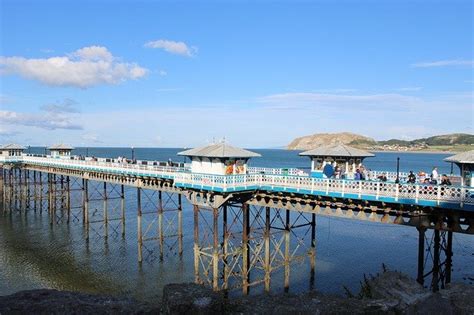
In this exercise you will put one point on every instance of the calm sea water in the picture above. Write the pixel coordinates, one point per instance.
(33, 255)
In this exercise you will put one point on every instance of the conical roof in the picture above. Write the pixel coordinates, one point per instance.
(219, 150)
(337, 150)
(12, 146)
(61, 146)
(464, 158)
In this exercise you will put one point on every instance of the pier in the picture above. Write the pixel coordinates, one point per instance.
(248, 221)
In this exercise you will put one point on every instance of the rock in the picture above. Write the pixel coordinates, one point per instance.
(64, 302)
(308, 303)
(191, 298)
(395, 286)
(460, 297)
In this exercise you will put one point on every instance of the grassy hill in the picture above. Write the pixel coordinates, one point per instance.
(456, 142)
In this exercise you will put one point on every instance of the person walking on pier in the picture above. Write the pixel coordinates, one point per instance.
(434, 176)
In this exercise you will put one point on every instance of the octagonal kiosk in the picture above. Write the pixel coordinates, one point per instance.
(11, 150)
(60, 150)
(324, 160)
(219, 159)
(465, 162)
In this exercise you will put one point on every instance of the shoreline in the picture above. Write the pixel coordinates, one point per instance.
(376, 296)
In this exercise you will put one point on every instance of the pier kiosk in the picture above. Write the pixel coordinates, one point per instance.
(465, 162)
(324, 160)
(11, 150)
(219, 159)
(60, 150)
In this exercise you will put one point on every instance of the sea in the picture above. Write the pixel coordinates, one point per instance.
(33, 255)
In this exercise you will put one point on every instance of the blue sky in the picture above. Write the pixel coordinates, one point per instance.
(179, 74)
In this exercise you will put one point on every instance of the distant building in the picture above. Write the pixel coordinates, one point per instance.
(12, 150)
(59, 150)
(219, 159)
(344, 156)
(465, 161)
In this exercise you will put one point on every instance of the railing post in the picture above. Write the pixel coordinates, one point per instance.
(417, 193)
(343, 187)
(139, 225)
(378, 191)
(438, 195)
(360, 189)
(397, 187)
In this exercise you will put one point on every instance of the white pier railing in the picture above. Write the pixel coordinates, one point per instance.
(271, 179)
(277, 171)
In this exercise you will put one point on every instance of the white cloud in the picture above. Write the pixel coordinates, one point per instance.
(86, 67)
(173, 47)
(40, 120)
(444, 63)
(61, 115)
(163, 73)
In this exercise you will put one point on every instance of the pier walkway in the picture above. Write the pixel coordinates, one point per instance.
(273, 180)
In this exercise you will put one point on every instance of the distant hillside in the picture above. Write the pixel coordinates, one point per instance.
(451, 139)
(450, 142)
(313, 141)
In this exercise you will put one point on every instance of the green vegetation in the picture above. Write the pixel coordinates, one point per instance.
(442, 140)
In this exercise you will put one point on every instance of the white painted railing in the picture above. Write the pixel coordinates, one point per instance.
(99, 164)
(277, 171)
(182, 176)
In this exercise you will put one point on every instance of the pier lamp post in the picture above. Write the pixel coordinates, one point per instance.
(45, 153)
(398, 171)
(87, 151)
(133, 154)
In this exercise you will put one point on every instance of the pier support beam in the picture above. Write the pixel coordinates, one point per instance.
(161, 223)
(435, 258)
(254, 244)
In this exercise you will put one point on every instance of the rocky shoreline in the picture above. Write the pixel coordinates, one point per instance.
(388, 293)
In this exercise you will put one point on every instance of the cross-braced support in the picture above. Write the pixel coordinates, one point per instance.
(254, 243)
(159, 217)
(435, 258)
(103, 206)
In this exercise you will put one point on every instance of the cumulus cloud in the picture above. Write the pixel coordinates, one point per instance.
(444, 63)
(173, 47)
(86, 67)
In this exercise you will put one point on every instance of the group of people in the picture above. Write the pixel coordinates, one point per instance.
(433, 179)
(361, 173)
